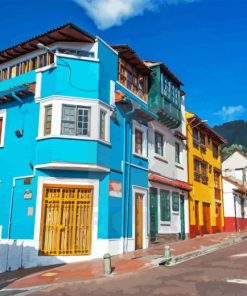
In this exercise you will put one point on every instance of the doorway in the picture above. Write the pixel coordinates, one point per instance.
(138, 220)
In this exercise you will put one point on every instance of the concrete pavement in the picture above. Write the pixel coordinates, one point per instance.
(126, 264)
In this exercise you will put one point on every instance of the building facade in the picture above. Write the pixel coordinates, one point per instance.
(235, 205)
(205, 177)
(73, 149)
(168, 183)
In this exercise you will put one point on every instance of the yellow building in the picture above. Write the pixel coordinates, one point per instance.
(205, 177)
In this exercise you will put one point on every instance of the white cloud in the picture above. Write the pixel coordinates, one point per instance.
(109, 13)
(230, 112)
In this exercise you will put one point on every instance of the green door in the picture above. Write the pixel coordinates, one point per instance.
(182, 234)
(153, 213)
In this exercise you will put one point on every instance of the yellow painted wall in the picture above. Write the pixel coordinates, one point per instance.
(200, 191)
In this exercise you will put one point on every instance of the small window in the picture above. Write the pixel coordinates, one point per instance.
(204, 171)
(47, 120)
(138, 142)
(102, 130)
(75, 121)
(177, 153)
(165, 206)
(159, 144)
(175, 201)
(197, 170)
(215, 151)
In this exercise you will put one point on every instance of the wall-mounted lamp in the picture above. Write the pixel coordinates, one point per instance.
(19, 133)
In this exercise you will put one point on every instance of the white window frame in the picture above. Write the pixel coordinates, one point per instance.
(143, 129)
(3, 115)
(56, 123)
(164, 144)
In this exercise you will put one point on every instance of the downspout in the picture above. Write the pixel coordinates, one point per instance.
(125, 184)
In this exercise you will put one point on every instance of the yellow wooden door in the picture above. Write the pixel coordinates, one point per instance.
(139, 221)
(66, 223)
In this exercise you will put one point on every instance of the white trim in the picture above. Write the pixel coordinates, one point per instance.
(57, 102)
(119, 83)
(62, 181)
(144, 192)
(38, 85)
(72, 99)
(107, 45)
(112, 92)
(3, 115)
(143, 129)
(46, 68)
(70, 56)
(70, 166)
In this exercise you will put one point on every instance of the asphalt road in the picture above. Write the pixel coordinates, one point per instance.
(223, 272)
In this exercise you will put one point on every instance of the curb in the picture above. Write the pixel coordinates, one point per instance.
(191, 255)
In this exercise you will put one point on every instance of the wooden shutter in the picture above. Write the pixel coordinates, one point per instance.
(165, 207)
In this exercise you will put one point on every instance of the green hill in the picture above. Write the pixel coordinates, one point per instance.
(235, 132)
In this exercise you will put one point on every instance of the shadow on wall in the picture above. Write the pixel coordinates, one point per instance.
(16, 254)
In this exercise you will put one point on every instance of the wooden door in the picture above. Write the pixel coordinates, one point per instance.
(182, 220)
(138, 221)
(197, 217)
(206, 218)
(66, 221)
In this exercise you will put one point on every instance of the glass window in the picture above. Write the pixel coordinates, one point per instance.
(75, 121)
(47, 120)
(202, 139)
(159, 144)
(215, 151)
(204, 171)
(177, 153)
(197, 170)
(165, 206)
(138, 141)
(175, 201)
(102, 132)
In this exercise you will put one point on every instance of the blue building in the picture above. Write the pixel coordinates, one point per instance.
(73, 149)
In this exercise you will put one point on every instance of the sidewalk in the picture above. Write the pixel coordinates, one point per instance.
(122, 264)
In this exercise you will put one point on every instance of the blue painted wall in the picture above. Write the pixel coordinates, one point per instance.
(84, 79)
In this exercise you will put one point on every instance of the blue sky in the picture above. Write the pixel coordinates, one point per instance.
(203, 42)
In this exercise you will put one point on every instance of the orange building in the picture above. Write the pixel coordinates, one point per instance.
(205, 177)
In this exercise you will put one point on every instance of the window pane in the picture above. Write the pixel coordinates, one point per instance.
(102, 124)
(175, 201)
(159, 144)
(83, 115)
(47, 120)
(69, 120)
(165, 205)
(177, 153)
(138, 142)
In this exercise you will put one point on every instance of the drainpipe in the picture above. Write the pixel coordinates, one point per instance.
(12, 201)
(126, 177)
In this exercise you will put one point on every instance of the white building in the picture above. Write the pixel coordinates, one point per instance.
(235, 166)
(235, 205)
(168, 177)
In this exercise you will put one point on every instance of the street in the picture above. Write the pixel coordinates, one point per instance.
(223, 272)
